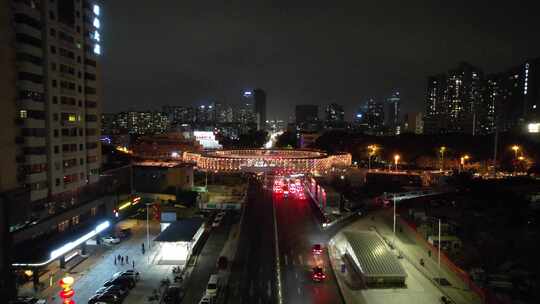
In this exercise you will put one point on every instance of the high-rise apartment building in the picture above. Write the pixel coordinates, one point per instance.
(454, 100)
(413, 123)
(54, 63)
(50, 108)
(335, 113)
(180, 114)
(205, 114)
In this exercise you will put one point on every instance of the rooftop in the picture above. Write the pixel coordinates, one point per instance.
(183, 230)
(373, 256)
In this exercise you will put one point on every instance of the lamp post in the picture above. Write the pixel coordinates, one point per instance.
(462, 161)
(396, 160)
(372, 150)
(394, 242)
(148, 228)
(516, 149)
(441, 151)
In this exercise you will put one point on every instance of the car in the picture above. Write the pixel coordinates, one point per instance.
(173, 294)
(104, 298)
(212, 286)
(446, 300)
(127, 273)
(318, 274)
(216, 223)
(120, 281)
(317, 249)
(219, 217)
(28, 300)
(206, 300)
(110, 240)
(113, 289)
(124, 233)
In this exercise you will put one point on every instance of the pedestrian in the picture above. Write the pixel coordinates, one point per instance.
(122, 260)
(429, 253)
(127, 259)
(142, 246)
(133, 262)
(119, 256)
(115, 260)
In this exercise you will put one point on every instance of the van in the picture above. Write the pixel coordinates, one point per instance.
(213, 285)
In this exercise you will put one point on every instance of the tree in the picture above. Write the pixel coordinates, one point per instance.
(286, 139)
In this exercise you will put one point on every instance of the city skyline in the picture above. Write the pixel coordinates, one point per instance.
(233, 47)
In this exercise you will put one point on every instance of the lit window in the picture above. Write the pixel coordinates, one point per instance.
(96, 9)
(96, 36)
(97, 49)
(23, 114)
(72, 118)
(96, 23)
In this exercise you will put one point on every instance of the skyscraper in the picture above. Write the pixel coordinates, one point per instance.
(259, 96)
(374, 116)
(391, 114)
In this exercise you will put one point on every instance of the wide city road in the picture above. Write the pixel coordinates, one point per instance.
(253, 271)
(298, 230)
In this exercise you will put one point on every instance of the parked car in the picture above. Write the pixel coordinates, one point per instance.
(121, 281)
(124, 233)
(127, 273)
(110, 240)
(216, 223)
(104, 298)
(206, 300)
(174, 294)
(28, 300)
(212, 286)
(113, 289)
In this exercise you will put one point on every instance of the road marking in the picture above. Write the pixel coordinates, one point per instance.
(301, 259)
(278, 264)
(269, 290)
(299, 292)
(286, 260)
(251, 288)
(296, 274)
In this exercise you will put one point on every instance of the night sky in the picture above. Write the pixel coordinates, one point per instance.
(189, 52)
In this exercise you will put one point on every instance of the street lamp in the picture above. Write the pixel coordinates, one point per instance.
(516, 150)
(462, 162)
(396, 160)
(372, 150)
(441, 151)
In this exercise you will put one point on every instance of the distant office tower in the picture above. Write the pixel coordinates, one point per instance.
(180, 114)
(205, 114)
(374, 116)
(454, 100)
(245, 111)
(223, 112)
(259, 97)
(413, 123)
(335, 113)
(306, 113)
(391, 114)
